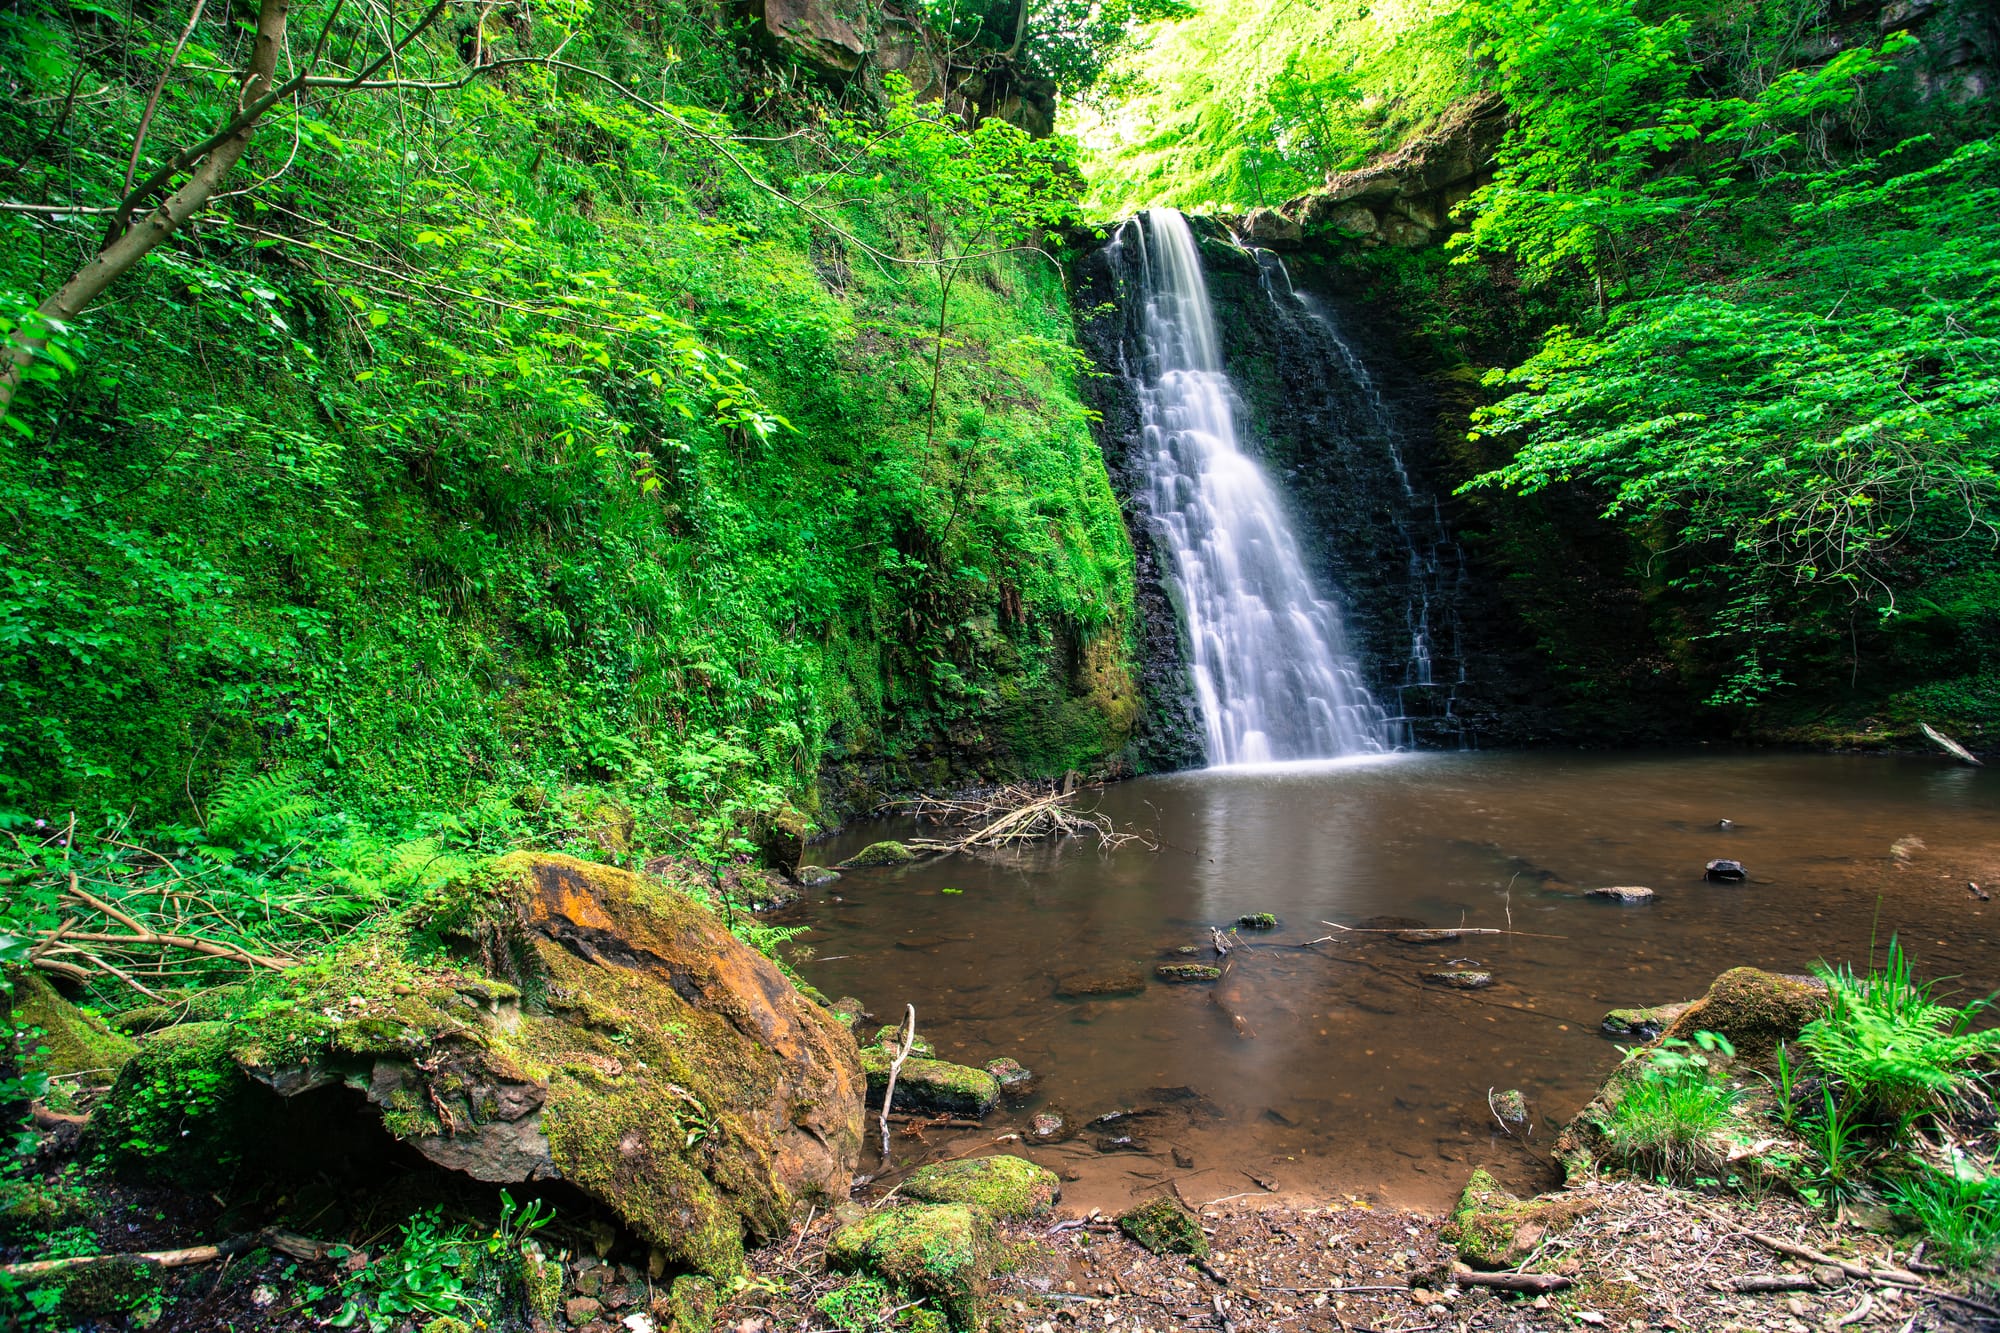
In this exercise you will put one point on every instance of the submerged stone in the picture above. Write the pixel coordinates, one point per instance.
(1461, 978)
(934, 1087)
(885, 853)
(1164, 1225)
(1644, 1023)
(942, 1251)
(1427, 936)
(1725, 872)
(1512, 1107)
(1622, 893)
(1110, 979)
(1050, 1126)
(1015, 1079)
(1181, 973)
(1007, 1187)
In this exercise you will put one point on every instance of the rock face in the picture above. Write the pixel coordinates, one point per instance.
(580, 1022)
(822, 33)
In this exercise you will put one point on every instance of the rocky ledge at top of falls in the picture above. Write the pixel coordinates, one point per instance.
(541, 1018)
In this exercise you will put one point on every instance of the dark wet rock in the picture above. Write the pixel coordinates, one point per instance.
(1015, 1079)
(1110, 979)
(934, 1087)
(580, 1310)
(1267, 226)
(1123, 1115)
(1183, 1159)
(1461, 978)
(1622, 893)
(1257, 921)
(1725, 872)
(1120, 1143)
(653, 1013)
(1427, 936)
(944, 1251)
(880, 854)
(1164, 1225)
(813, 877)
(1181, 973)
(1644, 1024)
(1050, 1125)
(1006, 1187)
(1755, 1010)
(1512, 1108)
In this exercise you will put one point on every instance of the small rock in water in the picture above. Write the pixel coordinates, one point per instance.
(850, 1011)
(1183, 1159)
(1511, 1107)
(1623, 893)
(1725, 824)
(881, 854)
(1647, 1023)
(814, 876)
(1120, 1143)
(1179, 973)
(1426, 936)
(1015, 1079)
(1257, 921)
(1461, 979)
(1050, 1126)
(1111, 979)
(1725, 872)
(892, 1036)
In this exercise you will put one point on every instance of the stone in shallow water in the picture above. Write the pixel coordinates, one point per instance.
(814, 876)
(1110, 979)
(1186, 972)
(1511, 1106)
(1725, 872)
(1622, 893)
(934, 1087)
(1010, 1187)
(880, 854)
(1647, 1023)
(1257, 921)
(1426, 936)
(1050, 1126)
(1461, 978)
(1014, 1078)
(892, 1035)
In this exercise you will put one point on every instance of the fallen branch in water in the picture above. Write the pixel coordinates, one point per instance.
(903, 1049)
(1441, 930)
(1009, 816)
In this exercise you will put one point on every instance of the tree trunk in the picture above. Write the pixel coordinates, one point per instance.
(122, 252)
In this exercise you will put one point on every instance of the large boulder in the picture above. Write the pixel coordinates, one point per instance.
(552, 1018)
(1755, 1010)
(825, 35)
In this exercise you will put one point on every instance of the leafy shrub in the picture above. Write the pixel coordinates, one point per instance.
(1895, 1051)
(856, 1306)
(1960, 1212)
(1667, 1118)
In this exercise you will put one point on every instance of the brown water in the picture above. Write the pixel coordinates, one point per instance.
(1336, 1069)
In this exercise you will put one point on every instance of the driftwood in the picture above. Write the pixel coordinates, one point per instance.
(1950, 746)
(1009, 816)
(1770, 1282)
(1456, 930)
(285, 1242)
(1884, 1277)
(903, 1049)
(1528, 1282)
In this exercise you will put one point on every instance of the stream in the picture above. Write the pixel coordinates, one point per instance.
(1338, 1069)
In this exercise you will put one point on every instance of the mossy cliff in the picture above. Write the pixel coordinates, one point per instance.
(543, 1018)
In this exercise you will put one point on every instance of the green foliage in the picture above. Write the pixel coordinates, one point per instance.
(442, 1270)
(1668, 1116)
(1068, 43)
(857, 1304)
(1838, 1169)
(1958, 1210)
(1893, 1049)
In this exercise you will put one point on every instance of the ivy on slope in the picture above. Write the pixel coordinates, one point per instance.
(511, 433)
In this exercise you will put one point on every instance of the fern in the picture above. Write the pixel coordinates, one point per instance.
(251, 808)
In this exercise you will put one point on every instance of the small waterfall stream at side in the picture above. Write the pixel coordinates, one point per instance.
(1271, 669)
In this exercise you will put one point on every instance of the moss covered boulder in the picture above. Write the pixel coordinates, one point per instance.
(1754, 1009)
(1010, 1187)
(1164, 1225)
(935, 1087)
(553, 1018)
(1491, 1228)
(944, 1252)
(880, 854)
(72, 1042)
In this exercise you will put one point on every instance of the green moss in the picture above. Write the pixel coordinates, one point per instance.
(691, 1303)
(1491, 1228)
(1181, 973)
(33, 1204)
(1642, 1023)
(115, 1287)
(541, 1284)
(1007, 1187)
(893, 1036)
(77, 1043)
(1257, 921)
(1754, 1009)
(931, 1085)
(173, 1112)
(881, 854)
(447, 1324)
(1164, 1225)
(941, 1251)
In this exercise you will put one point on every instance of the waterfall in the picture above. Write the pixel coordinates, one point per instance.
(1271, 669)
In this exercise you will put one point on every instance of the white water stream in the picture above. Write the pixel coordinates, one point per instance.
(1271, 669)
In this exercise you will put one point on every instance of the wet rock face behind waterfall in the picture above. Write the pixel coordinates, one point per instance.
(1345, 427)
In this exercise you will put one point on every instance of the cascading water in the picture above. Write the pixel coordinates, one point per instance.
(1271, 669)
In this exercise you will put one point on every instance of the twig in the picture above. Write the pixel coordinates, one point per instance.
(298, 1247)
(896, 1068)
(1528, 1282)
